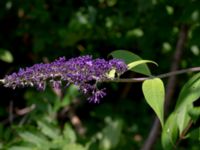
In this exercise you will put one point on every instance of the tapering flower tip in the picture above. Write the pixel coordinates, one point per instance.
(82, 71)
(97, 95)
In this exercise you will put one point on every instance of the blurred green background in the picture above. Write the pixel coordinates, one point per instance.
(40, 31)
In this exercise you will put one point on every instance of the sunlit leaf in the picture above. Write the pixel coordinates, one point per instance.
(183, 118)
(47, 130)
(154, 93)
(69, 134)
(139, 62)
(6, 56)
(35, 139)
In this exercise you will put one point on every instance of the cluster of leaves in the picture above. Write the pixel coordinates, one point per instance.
(184, 115)
(39, 130)
(178, 124)
(47, 137)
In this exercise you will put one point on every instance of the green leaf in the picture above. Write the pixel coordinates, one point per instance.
(194, 113)
(154, 93)
(130, 57)
(69, 134)
(48, 130)
(183, 118)
(189, 93)
(139, 62)
(6, 56)
(35, 139)
(170, 132)
(111, 135)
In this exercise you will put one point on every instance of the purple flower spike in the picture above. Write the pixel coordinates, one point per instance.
(83, 72)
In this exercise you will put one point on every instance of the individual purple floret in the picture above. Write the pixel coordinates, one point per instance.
(84, 72)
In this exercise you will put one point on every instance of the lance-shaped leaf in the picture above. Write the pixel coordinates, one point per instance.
(130, 57)
(154, 93)
(183, 118)
(139, 62)
(189, 93)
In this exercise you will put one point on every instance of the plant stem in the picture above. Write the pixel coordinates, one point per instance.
(182, 136)
(165, 75)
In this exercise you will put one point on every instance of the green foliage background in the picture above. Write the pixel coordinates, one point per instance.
(37, 30)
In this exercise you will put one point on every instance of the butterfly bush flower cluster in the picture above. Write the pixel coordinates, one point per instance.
(83, 71)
